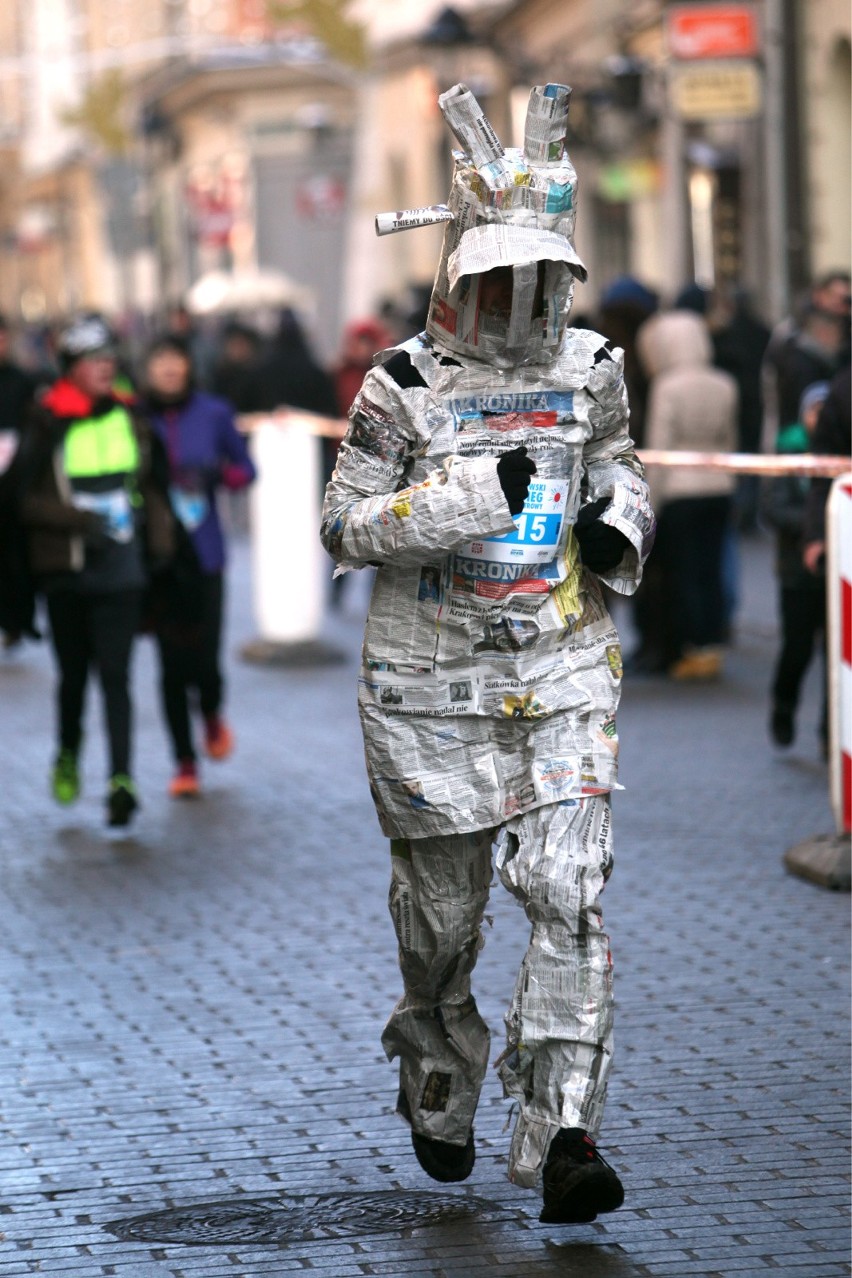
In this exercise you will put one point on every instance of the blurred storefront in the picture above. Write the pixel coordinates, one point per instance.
(248, 156)
(712, 142)
(711, 139)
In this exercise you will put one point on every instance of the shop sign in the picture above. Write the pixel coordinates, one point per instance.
(716, 91)
(212, 217)
(712, 31)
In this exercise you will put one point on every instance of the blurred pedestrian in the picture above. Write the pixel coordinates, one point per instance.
(804, 349)
(362, 339)
(694, 297)
(832, 437)
(625, 304)
(17, 386)
(17, 598)
(180, 322)
(291, 376)
(691, 405)
(740, 344)
(236, 375)
(801, 593)
(205, 453)
(95, 505)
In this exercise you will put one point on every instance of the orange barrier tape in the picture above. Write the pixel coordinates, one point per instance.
(808, 464)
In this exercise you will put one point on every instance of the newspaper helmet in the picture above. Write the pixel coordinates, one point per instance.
(508, 208)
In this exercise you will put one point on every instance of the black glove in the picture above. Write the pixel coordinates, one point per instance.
(601, 546)
(514, 471)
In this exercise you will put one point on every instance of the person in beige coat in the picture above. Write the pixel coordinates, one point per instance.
(691, 405)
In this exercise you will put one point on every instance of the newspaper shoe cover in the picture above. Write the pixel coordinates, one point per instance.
(491, 669)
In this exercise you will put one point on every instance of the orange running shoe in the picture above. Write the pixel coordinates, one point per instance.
(185, 784)
(218, 737)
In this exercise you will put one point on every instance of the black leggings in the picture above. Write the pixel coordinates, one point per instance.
(690, 547)
(95, 630)
(193, 663)
(802, 624)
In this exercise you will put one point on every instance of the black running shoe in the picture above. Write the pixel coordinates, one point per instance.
(782, 725)
(121, 801)
(578, 1183)
(438, 1158)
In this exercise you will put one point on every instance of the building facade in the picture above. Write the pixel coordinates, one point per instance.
(146, 142)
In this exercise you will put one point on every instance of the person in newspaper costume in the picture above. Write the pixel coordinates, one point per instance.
(487, 471)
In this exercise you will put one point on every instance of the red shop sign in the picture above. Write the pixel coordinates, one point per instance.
(712, 31)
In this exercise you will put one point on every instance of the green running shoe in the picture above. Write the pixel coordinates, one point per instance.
(65, 779)
(121, 800)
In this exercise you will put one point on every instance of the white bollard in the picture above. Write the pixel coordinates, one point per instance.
(290, 570)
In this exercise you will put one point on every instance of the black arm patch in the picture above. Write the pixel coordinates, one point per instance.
(403, 372)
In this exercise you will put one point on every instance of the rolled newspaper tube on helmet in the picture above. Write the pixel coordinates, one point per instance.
(470, 125)
(407, 219)
(546, 123)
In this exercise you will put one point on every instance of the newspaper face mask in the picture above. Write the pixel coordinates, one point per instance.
(513, 210)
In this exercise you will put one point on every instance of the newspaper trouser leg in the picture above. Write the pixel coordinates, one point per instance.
(439, 888)
(555, 860)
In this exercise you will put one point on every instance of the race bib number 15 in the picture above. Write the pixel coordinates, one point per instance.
(537, 532)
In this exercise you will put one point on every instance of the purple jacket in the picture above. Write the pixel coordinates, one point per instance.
(206, 451)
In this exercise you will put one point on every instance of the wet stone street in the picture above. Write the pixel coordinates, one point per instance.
(192, 1080)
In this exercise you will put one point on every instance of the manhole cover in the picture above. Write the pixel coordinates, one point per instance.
(321, 1216)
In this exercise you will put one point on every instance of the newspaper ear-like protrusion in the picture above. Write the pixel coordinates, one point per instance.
(406, 219)
(470, 125)
(546, 123)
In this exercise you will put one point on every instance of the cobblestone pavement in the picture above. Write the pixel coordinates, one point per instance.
(191, 1016)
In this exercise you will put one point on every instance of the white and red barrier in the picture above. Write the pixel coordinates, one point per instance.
(838, 533)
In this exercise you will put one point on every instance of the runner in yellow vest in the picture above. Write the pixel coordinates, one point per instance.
(96, 509)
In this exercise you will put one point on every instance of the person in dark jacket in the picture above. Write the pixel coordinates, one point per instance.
(17, 598)
(236, 374)
(801, 593)
(809, 348)
(833, 438)
(291, 377)
(739, 347)
(94, 503)
(205, 453)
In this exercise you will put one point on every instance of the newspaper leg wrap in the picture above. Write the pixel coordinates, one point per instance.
(439, 888)
(555, 860)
